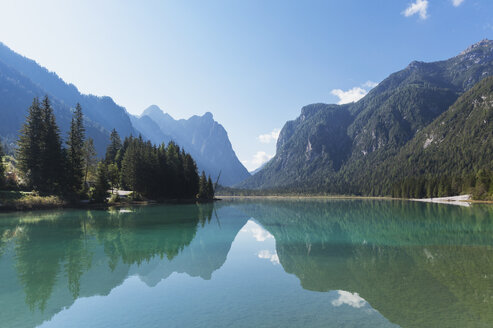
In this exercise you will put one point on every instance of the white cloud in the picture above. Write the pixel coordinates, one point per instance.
(419, 7)
(261, 157)
(259, 233)
(457, 3)
(269, 137)
(351, 299)
(370, 84)
(265, 254)
(351, 95)
(258, 159)
(354, 94)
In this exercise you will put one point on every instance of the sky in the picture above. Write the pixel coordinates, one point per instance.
(252, 63)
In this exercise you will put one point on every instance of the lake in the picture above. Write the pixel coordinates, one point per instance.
(249, 263)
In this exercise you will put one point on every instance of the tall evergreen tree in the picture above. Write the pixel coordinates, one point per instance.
(191, 177)
(90, 161)
(113, 176)
(102, 185)
(31, 147)
(210, 188)
(202, 187)
(130, 166)
(52, 163)
(113, 148)
(76, 150)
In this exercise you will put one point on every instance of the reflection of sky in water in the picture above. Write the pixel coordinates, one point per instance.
(261, 235)
(250, 289)
(351, 299)
(316, 264)
(258, 233)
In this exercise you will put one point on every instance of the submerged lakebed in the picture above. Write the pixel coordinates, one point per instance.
(250, 263)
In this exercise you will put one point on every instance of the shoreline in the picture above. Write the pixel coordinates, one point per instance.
(225, 197)
(450, 200)
(461, 200)
(95, 206)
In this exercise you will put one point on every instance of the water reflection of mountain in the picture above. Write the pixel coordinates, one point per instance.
(48, 260)
(419, 265)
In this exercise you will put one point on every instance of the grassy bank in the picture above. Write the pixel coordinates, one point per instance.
(27, 201)
(20, 201)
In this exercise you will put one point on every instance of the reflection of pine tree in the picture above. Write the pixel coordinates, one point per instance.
(77, 257)
(38, 259)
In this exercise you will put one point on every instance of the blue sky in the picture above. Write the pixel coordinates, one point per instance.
(252, 63)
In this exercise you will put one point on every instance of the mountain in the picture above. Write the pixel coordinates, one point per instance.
(96, 252)
(460, 140)
(205, 139)
(390, 253)
(148, 128)
(339, 148)
(22, 79)
(258, 169)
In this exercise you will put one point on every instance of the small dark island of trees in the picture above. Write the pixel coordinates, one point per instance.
(73, 171)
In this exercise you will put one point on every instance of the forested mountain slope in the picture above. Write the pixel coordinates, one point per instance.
(22, 79)
(99, 109)
(457, 144)
(337, 149)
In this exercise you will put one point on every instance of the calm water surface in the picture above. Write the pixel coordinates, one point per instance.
(347, 263)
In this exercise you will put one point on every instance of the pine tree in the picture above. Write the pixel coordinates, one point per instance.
(191, 177)
(76, 150)
(130, 167)
(100, 192)
(202, 187)
(113, 176)
(90, 161)
(113, 148)
(31, 147)
(52, 160)
(210, 188)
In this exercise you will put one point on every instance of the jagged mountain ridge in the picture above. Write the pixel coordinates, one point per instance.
(22, 79)
(380, 124)
(204, 138)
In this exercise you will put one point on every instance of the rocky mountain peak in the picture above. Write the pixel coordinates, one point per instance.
(483, 44)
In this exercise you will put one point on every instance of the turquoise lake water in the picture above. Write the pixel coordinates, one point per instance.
(249, 263)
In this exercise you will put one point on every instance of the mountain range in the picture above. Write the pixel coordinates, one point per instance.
(22, 79)
(205, 139)
(429, 118)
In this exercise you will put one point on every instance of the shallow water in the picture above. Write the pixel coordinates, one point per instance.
(278, 263)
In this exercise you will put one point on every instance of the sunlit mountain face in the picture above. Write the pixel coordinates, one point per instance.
(249, 263)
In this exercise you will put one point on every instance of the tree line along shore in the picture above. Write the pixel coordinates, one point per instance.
(45, 171)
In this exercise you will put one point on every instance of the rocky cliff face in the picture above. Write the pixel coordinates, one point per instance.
(204, 138)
